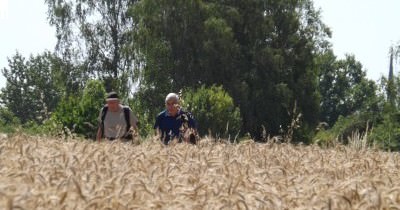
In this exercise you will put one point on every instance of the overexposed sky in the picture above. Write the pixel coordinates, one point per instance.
(23, 27)
(365, 28)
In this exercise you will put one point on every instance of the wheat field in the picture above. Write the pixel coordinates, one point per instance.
(44, 173)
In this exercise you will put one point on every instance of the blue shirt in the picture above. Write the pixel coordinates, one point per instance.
(169, 125)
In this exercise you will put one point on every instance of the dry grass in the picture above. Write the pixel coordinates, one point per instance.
(37, 173)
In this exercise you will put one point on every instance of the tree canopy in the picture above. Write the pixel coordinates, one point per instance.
(268, 62)
(95, 35)
(262, 52)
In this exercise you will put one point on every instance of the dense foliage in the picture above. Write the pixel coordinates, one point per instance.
(262, 53)
(80, 113)
(213, 107)
(272, 58)
(31, 91)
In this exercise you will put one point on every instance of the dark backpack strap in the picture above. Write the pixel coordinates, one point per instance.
(127, 118)
(103, 116)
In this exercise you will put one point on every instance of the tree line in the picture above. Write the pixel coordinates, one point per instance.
(257, 68)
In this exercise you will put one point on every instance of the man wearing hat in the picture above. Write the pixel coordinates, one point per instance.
(115, 120)
(173, 122)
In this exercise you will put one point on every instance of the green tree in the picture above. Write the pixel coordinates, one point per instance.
(8, 122)
(262, 52)
(69, 77)
(92, 100)
(79, 113)
(146, 118)
(93, 34)
(214, 111)
(182, 44)
(67, 112)
(31, 91)
(386, 133)
(345, 89)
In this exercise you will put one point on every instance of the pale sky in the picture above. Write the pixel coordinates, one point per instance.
(23, 27)
(365, 28)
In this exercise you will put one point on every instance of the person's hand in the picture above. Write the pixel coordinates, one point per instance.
(177, 106)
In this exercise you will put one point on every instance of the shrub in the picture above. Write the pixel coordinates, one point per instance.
(343, 129)
(145, 118)
(213, 110)
(92, 100)
(386, 134)
(80, 113)
(8, 121)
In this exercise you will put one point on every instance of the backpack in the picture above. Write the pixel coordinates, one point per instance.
(126, 115)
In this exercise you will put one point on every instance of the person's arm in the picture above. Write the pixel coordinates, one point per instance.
(99, 130)
(157, 129)
(134, 124)
(135, 131)
(158, 133)
(98, 136)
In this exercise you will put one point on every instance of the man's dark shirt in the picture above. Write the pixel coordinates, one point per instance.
(169, 125)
